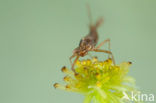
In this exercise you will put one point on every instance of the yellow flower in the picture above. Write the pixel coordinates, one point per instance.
(99, 81)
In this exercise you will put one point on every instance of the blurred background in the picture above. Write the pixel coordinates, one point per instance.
(37, 38)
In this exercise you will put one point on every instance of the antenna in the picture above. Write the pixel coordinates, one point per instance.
(89, 14)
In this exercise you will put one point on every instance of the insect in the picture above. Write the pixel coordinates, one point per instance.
(89, 42)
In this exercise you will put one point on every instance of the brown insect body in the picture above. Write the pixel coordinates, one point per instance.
(89, 42)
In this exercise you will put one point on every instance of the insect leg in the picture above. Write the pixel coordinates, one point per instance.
(71, 58)
(102, 43)
(74, 63)
(105, 51)
(89, 14)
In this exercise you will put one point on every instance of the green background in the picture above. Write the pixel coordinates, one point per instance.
(37, 38)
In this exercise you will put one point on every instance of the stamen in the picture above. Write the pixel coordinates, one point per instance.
(66, 78)
(97, 76)
(67, 71)
(130, 63)
(64, 69)
(57, 85)
(68, 86)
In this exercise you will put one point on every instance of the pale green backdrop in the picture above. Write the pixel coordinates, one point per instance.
(38, 36)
